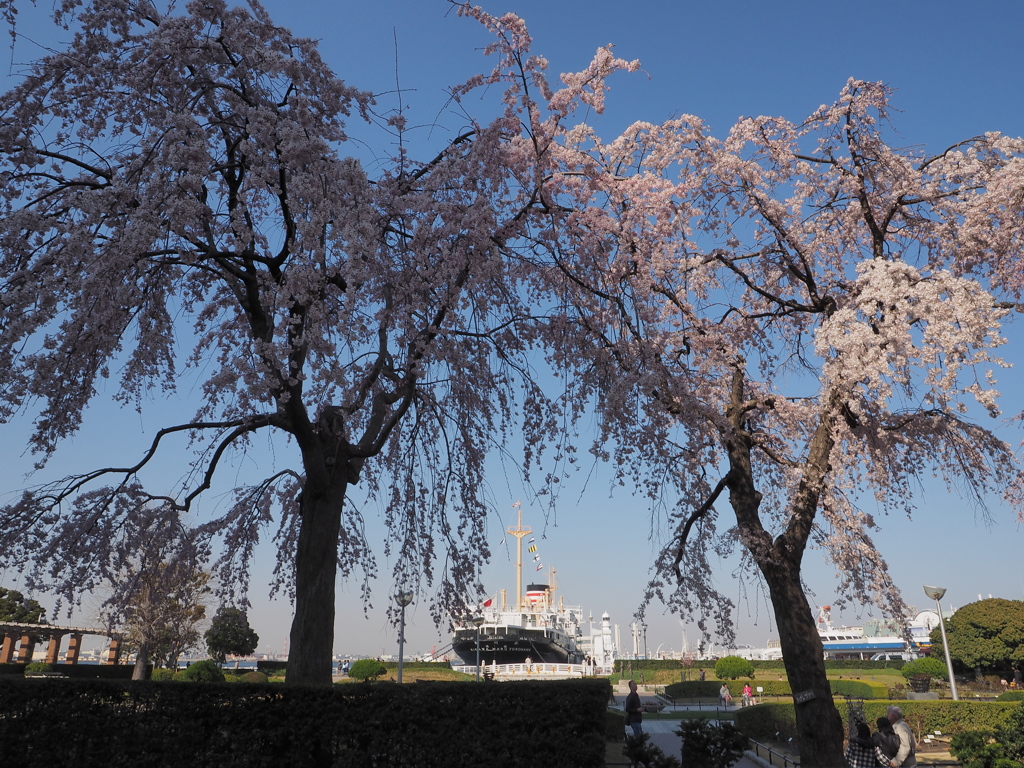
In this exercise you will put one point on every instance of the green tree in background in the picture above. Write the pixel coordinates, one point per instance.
(14, 606)
(930, 665)
(230, 633)
(731, 667)
(987, 634)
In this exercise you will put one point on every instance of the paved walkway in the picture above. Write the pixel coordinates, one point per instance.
(663, 732)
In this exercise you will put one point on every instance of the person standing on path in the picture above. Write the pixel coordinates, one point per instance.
(634, 710)
(905, 757)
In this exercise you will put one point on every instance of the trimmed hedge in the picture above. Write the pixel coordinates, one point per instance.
(764, 721)
(623, 665)
(367, 669)
(79, 671)
(859, 689)
(767, 722)
(205, 671)
(695, 689)
(1011, 696)
(418, 666)
(126, 725)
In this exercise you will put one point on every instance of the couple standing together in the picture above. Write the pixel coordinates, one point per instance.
(891, 746)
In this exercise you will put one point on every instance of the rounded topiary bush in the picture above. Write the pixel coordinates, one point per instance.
(38, 668)
(366, 669)
(731, 667)
(205, 671)
(253, 677)
(162, 674)
(925, 666)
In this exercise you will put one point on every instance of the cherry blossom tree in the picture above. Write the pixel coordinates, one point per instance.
(796, 320)
(166, 605)
(177, 205)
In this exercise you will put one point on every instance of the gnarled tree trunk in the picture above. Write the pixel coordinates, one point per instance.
(818, 722)
(819, 725)
(311, 642)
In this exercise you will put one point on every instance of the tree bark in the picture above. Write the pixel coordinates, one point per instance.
(311, 642)
(818, 722)
(141, 662)
(819, 725)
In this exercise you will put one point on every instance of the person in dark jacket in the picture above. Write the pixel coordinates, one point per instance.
(634, 710)
(861, 751)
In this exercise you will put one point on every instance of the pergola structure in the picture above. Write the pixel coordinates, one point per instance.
(20, 640)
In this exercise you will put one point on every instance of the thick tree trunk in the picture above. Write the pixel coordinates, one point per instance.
(141, 662)
(311, 643)
(818, 722)
(819, 725)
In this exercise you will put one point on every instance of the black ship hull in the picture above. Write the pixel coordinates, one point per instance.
(512, 645)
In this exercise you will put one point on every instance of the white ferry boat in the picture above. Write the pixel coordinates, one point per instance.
(876, 636)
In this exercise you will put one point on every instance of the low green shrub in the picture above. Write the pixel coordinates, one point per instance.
(1011, 696)
(1011, 736)
(979, 749)
(695, 689)
(711, 745)
(38, 668)
(367, 669)
(418, 666)
(205, 671)
(926, 666)
(640, 750)
(767, 722)
(625, 666)
(859, 689)
(614, 725)
(254, 677)
(732, 667)
(272, 668)
(162, 674)
(762, 722)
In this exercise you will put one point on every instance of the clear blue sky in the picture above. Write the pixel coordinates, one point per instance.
(957, 69)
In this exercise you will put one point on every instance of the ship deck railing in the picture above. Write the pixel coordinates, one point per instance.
(541, 670)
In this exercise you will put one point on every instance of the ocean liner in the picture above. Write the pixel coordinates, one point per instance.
(534, 629)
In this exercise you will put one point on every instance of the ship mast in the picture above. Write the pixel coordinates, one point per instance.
(519, 532)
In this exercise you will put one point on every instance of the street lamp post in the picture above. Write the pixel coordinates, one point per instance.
(403, 599)
(477, 621)
(936, 593)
